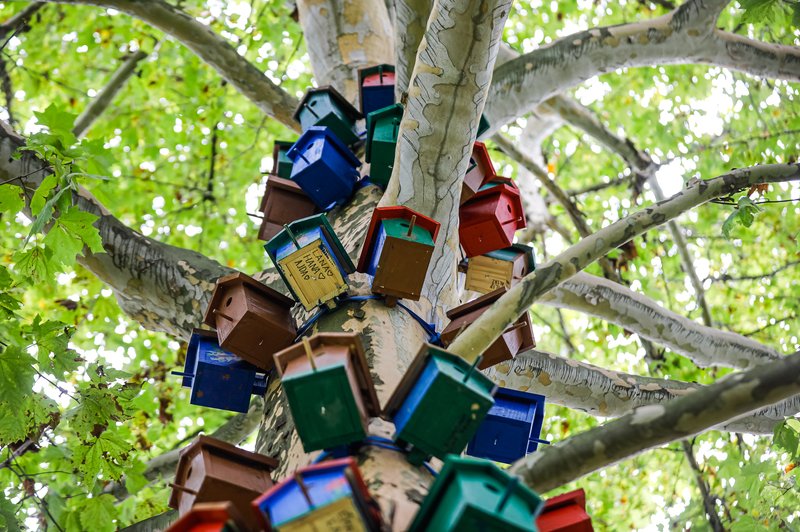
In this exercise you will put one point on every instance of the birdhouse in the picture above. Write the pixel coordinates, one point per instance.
(330, 495)
(514, 340)
(219, 379)
(281, 163)
(325, 107)
(502, 268)
(512, 427)
(438, 404)
(383, 127)
(324, 167)
(311, 260)
(330, 392)
(565, 513)
(483, 126)
(252, 320)
(475, 495)
(480, 171)
(284, 202)
(210, 470)
(211, 517)
(490, 218)
(397, 251)
(376, 84)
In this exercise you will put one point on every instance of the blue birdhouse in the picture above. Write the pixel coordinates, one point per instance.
(439, 404)
(511, 429)
(377, 87)
(219, 379)
(324, 167)
(325, 107)
(330, 495)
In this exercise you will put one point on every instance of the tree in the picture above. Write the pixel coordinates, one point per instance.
(592, 124)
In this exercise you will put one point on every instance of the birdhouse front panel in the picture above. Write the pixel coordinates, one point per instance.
(565, 513)
(377, 87)
(324, 167)
(325, 107)
(312, 271)
(284, 202)
(383, 127)
(400, 260)
(488, 221)
(221, 379)
(512, 428)
(475, 495)
(439, 403)
(281, 163)
(486, 274)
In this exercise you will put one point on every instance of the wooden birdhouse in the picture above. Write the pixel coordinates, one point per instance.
(211, 517)
(219, 379)
(490, 218)
(438, 404)
(397, 251)
(210, 470)
(383, 126)
(328, 386)
(324, 167)
(284, 202)
(311, 260)
(252, 320)
(565, 513)
(327, 496)
(474, 495)
(499, 269)
(281, 163)
(376, 84)
(512, 427)
(514, 340)
(325, 107)
(480, 171)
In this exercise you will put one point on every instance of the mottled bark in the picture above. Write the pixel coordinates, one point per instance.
(447, 91)
(272, 100)
(343, 36)
(410, 23)
(607, 393)
(650, 426)
(486, 329)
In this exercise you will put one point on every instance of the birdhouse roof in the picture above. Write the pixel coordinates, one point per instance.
(517, 394)
(208, 512)
(346, 107)
(478, 303)
(483, 125)
(277, 148)
(275, 182)
(375, 69)
(388, 213)
(211, 445)
(455, 466)
(357, 356)
(517, 249)
(228, 281)
(576, 497)
(481, 155)
(391, 111)
(315, 132)
(304, 225)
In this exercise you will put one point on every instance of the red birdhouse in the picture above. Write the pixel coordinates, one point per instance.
(284, 202)
(488, 221)
(565, 513)
(479, 171)
(211, 517)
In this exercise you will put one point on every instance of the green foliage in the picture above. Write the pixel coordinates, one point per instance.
(743, 214)
(787, 437)
(771, 11)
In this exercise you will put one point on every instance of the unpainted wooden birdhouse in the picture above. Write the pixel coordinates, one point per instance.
(211, 470)
(490, 218)
(397, 251)
(283, 202)
(499, 269)
(252, 320)
(514, 340)
(311, 260)
(328, 386)
(376, 85)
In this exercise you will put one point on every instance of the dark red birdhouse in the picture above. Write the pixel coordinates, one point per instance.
(252, 320)
(517, 338)
(490, 218)
(479, 171)
(284, 202)
(565, 513)
(211, 517)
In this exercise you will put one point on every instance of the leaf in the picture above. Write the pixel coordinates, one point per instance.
(134, 477)
(46, 214)
(42, 191)
(787, 436)
(743, 214)
(8, 517)
(107, 455)
(98, 513)
(52, 338)
(11, 199)
(59, 122)
(16, 375)
(63, 245)
(33, 265)
(79, 224)
(97, 408)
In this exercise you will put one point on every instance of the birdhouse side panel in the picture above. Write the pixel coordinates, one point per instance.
(231, 309)
(195, 480)
(240, 474)
(571, 518)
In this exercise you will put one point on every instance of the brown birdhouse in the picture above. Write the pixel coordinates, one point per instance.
(283, 202)
(517, 338)
(210, 470)
(252, 320)
(479, 171)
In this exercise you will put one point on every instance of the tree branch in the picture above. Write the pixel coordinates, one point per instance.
(650, 426)
(708, 499)
(20, 18)
(488, 327)
(214, 50)
(410, 22)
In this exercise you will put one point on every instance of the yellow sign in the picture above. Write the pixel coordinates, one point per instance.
(485, 274)
(338, 516)
(313, 275)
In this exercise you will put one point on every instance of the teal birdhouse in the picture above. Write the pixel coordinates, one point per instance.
(326, 107)
(383, 127)
(281, 163)
(439, 404)
(472, 495)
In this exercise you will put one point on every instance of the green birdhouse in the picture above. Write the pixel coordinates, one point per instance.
(439, 404)
(281, 163)
(383, 127)
(326, 107)
(472, 495)
(330, 392)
